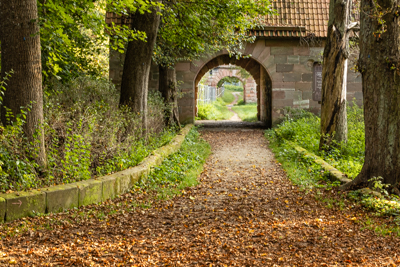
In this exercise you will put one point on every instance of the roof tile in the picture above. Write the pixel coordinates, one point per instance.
(311, 14)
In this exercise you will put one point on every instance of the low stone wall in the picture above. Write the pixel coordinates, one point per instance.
(334, 173)
(58, 198)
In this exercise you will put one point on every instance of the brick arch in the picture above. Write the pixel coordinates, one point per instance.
(249, 84)
(222, 73)
(258, 72)
(249, 64)
(276, 65)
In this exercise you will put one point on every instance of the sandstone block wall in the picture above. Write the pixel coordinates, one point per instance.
(287, 65)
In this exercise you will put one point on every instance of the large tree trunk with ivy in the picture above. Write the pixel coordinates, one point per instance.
(20, 54)
(135, 76)
(168, 88)
(380, 69)
(334, 75)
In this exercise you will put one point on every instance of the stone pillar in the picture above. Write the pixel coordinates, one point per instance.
(261, 95)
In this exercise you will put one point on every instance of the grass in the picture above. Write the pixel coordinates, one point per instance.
(302, 128)
(233, 88)
(179, 170)
(215, 111)
(176, 173)
(246, 112)
(228, 97)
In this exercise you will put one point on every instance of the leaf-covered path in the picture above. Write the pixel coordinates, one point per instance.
(244, 212)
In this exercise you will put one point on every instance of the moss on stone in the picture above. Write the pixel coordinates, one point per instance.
(334, 173)
(2, 209)
(110, 186)
(61, 197)
(90, 192)
(23, 204)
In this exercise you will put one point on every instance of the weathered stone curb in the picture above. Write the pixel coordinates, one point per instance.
(334, 173)
(58, 198)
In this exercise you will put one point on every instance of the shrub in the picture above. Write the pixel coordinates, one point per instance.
(205, 112)
(86, 135)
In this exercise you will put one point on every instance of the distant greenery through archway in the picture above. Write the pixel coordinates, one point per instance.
(228, 80)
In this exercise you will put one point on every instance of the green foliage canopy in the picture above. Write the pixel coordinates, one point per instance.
(74, 35)
(190, 28)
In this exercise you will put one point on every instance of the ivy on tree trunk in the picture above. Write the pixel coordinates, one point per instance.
(169, 91)
(20, 53)
(135, 76)
(380, 69)
(334, 75)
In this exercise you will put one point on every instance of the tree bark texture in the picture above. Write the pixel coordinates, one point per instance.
(380, 69)
(20, 52)
(334, 75)
(169, 91)
(135, 76)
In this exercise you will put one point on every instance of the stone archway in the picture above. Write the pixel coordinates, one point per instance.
(284, 63)
(258, 63)
(249, 84)
(259, 74)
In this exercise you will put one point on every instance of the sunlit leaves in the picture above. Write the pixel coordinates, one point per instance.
(191, 28)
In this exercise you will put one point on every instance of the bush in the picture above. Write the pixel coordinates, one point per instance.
(240, 103)
(86, 135)
(215, 111)
(205, 112)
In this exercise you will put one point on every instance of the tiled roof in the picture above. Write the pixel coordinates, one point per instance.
(295, 18)
(308, 16)
(117, 19)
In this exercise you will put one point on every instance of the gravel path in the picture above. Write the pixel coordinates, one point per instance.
(244, 212)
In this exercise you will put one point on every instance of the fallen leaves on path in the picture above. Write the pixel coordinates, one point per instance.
(244, 212)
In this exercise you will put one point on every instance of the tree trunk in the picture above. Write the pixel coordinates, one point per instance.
(135, 76)
(380, 69)
(334, 75)
(20, 52)
(168, 88)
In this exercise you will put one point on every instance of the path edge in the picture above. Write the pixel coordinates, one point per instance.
(58, 198)
(333, 172)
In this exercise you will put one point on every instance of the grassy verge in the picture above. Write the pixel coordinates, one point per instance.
(228, 97)
(246, 112)
(303, 128)
(180, 170)
(86, 134)
(382, 213)
(177, 172)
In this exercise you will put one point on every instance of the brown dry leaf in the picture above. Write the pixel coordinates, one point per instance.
(250, 218)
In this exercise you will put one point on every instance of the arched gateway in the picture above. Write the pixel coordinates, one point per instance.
(249, 84)
(251, 65)
(282, 70)
(282, 61)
